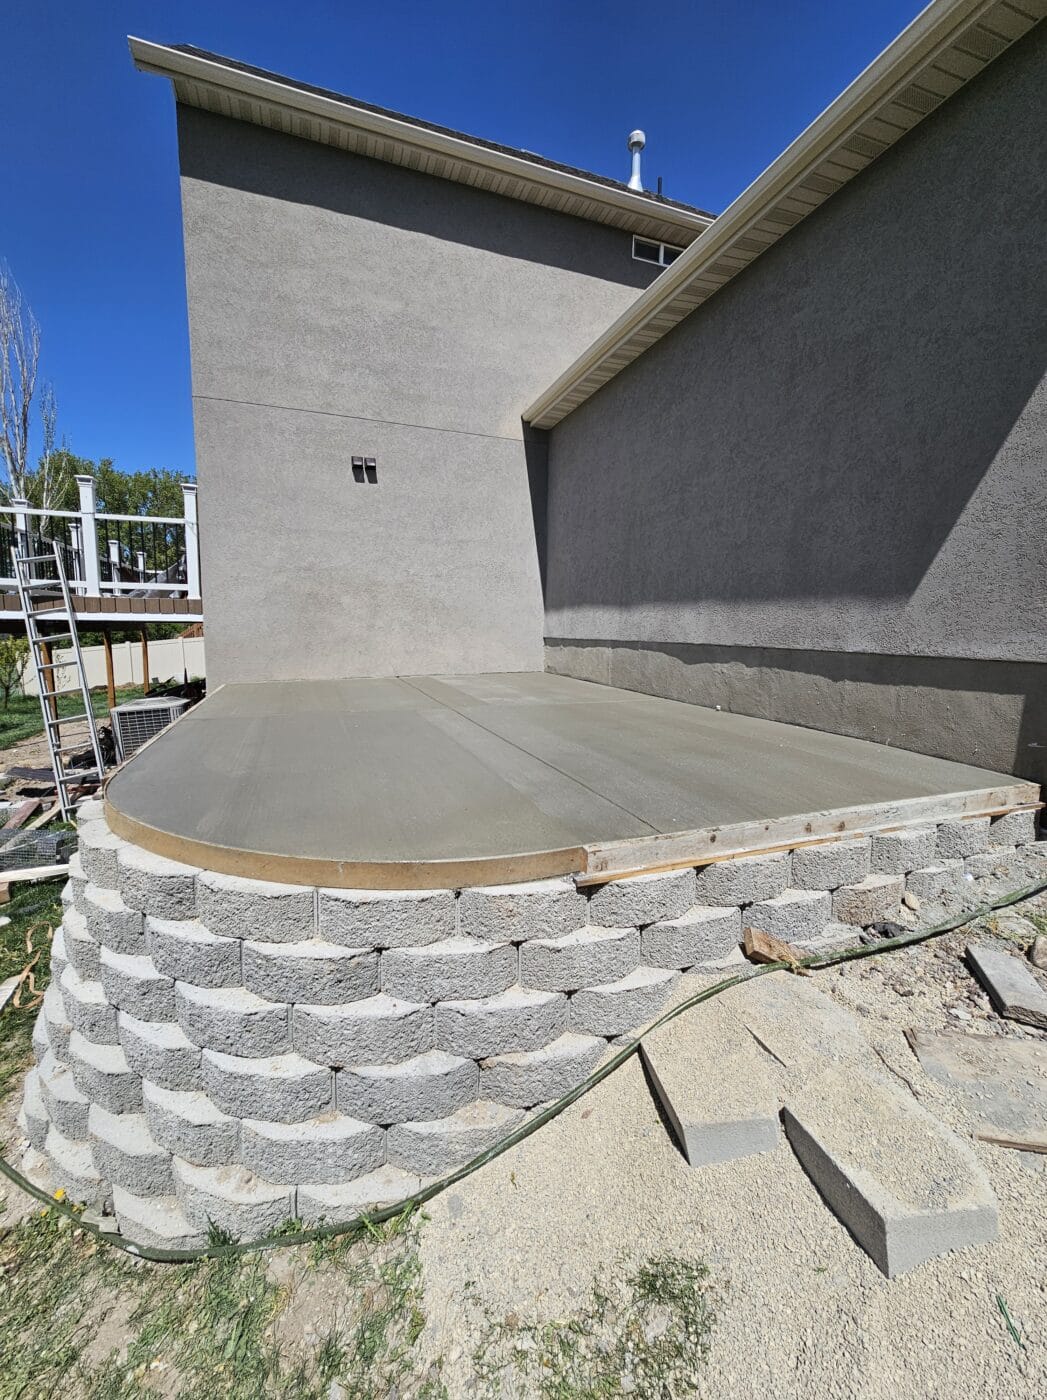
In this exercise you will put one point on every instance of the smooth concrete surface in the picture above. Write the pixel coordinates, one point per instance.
(842, 452)
(494, 767)
(341, 307)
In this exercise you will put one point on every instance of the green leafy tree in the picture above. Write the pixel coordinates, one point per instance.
(14, 657)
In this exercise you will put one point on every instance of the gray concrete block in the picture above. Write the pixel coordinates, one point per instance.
(380, 1030)
(516, 1019)
(160, 1051)
(156, 1222)
(133, 984)
(154, 885)
(65, 1105)
(621, 1006)
(641, 899)
(588, 957)
(872, 900)
(41, 1043)
(962, 838)
(111, 923)
(103, 1075)
(233, 1020)
(743, 879)
(330, 1148)
(97, 848)
(1012, 988)
(186, 951)
(345, 1201)
(81, 948)
(59, 1026)
(1034, 854)
(512, 913)
(188, 1125)
(455, 968)
(77, 882)
(258, 909)
(524, 1078)
(828, 866)
(933, 881)
(386, 918)
(899, 852)
(792, 914)
(34, 1111)
(906, 1188)
(706, 933)
(90, 809)
(280, 1089)
(87, 1008)
(443, 1144)
(314, 972)
(73, 1169)
(126, 1153)
(232, 1199)
(1000, 862)
(428, 1086)
(59, 957)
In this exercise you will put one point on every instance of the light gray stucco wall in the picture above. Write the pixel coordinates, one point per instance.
(345, 307)
(823, 496)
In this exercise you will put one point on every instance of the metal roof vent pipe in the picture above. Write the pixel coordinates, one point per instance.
(637, 141)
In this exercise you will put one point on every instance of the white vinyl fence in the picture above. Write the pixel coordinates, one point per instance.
(169, 660)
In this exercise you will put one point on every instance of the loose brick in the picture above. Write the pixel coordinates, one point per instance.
(97, 848)
(88, 1009)
(870, 901)
(588, 957)
(233, 1020)
(455, 968)
(318, 973)
(1012, 829)
(330, 1148)
(707, 933)
(103, 1075)
(156, 1222)
(386, 918)
(111, 923)
(161, 1052)
(743, 879)
(345, 1201)
(73, 1169)
(186, 951)
(381, 1030)
(934, 881)
(513, 1020)
(232, 1199)
(281, 1089)
(154, 885)
(429, 1086)
(621, 1006)
(828, 866)
(133, 984)
(792, 914)
(258, 909)
(641, 899)
(442, 1144)
(512, 913)
(189, 1125)
(81, 948)
(525, 1078)
(66, 1107)
(126, 1153)
(962, 838)
(899, 852)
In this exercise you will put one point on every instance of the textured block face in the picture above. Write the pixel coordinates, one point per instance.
(899, 852)
(870, 901)
(513, 913)
(133, 984)
(933, 881)
(621, 1006)
(66, 1107)
(379, 1030)
(103, 1075)
(233, 1199)
(707, 933)
(435, 1084)
(160, 1052)
(313, 972)
(97, 848)
(530, 1077)
(73, 1169)
(517, 1019)
(281, 1089)
(458, 968)
(190, 1126)
(126, 1154)
(59, 1026)
(792, 915)
(386, 918)
(440, 1146)
(165, 889)
(81, 948)
(187, 952)
(330, 1148)
(963, 838)
(743, 880)
(1014, 829)
(158, 1222)
(257, 909)
(385, 1187)
(829, 866)
(589, 957)
(644, 899)
(111, 923)
(233, 1020)
(87, 1008)
(34, 1111)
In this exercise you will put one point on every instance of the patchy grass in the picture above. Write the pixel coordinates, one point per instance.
(33, 910)
(22, 718)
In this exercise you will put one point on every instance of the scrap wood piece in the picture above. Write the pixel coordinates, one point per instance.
(763, 947)
(1035, 1143)
(21, 814)
(49, 814)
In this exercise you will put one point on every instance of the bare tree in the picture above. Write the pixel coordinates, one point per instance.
(19, 364)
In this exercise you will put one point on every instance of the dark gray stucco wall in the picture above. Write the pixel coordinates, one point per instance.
(823, 496)
(344, 307)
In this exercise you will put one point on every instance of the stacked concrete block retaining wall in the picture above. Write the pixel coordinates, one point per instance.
(214, 1049)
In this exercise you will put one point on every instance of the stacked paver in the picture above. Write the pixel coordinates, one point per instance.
(221, 1050)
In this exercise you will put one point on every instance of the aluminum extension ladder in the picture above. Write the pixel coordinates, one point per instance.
(32, 589)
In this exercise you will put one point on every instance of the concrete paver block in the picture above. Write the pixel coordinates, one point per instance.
(899, 852)
(111, 923)
(380, 1030)
(330, 1148)
(705, 933)
(160, 1051)
(258, 909)
(59, 1026)
(81, 947)
(73, 1168)
(188, 1125)
(905, 1186)
(233, 1199)
(126, 1153)
(152, 884)
(792, 914)
(157, 1222)
(97, 848)
(428, 1086)
(456, 968)
(233, 1020)
(186, 951)
(588, 957)
(833, 864)
(962, 838)
(344, 1201)
(87, 1008)
(524, 1078)
(870, 901)
(386, 918)
(280, 1089)
(66, 1107)
(133, 984)
(641, 899)
(314, 972)
(103, 1075)
(931, 882)
(621, 1006)
(512, 913)
(1012, 829)
(443, 1144)
(1012, 988)
(743, 879)
(516, 1019)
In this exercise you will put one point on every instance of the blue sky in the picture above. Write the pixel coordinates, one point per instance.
(90, 222)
